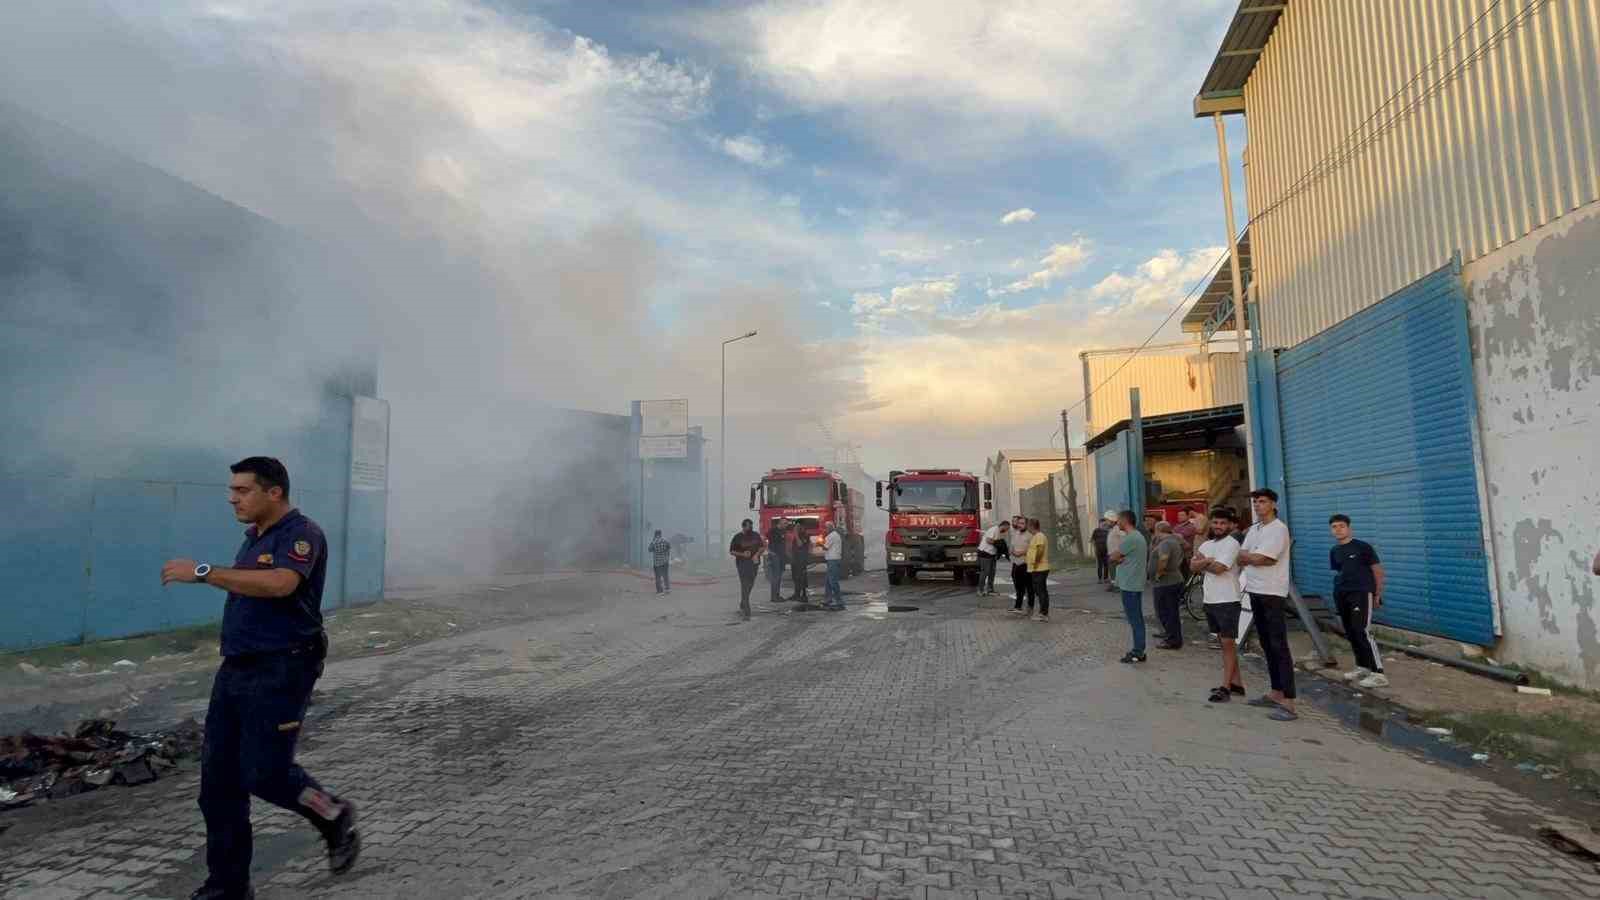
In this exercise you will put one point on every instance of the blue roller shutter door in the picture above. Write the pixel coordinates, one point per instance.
(1379, 422)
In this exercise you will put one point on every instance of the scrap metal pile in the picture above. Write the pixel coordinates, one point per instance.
(95, 754)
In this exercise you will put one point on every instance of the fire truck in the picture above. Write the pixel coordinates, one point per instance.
(817, 497)
(933, 523)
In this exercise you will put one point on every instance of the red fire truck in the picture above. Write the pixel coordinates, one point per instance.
(818, 497)
(933, 523)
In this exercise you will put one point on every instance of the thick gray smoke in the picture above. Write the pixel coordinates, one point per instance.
(468, 185)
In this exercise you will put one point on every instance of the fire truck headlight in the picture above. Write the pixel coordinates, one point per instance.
(897, 556)
(970, 557)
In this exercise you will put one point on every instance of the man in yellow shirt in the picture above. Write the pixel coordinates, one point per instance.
(1039, 567)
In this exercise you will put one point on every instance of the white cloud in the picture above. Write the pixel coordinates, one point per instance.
(921, 301)
(748, 148)
(976, 73)
(1018, 215)
(912, 365)
(1158, 283)
(1061, 261)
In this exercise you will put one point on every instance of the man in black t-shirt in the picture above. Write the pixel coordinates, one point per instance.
(745, 548)
(1357, 592)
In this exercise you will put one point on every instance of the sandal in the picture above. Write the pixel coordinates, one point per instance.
(1219, 695)
(1236, 689)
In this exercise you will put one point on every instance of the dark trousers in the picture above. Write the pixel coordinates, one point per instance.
(986, 573)
(1041, 590)
(1023, 582)
(799, 566)
(258, 706)
(663, 579)
(747, 581)
(1102, 564)
(1168, 598)
(1355, 612)
(1272, 626)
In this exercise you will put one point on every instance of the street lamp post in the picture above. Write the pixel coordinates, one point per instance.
(722, 465)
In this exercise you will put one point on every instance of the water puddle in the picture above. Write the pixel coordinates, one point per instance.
(1386, 722)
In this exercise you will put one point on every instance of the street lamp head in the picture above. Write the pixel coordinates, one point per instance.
(740, 337)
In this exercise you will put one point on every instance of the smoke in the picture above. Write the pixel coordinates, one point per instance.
(471, 197)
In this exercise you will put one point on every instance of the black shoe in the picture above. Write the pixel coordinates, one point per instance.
(344, 844)
(1132, 657)
(206, 892)
(1169, 645)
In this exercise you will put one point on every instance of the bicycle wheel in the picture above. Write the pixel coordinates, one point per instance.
(1194, 599)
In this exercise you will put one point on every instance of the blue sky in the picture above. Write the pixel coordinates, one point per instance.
(928, 206)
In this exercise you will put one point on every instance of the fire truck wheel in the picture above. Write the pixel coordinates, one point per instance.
(971, 577)
(896, 576)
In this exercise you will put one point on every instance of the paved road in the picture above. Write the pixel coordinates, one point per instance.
(654, 747)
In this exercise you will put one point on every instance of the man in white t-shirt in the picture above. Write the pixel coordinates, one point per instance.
(1217, 557)
(1113, 541)
(833, 561)
(988, 551)
(1265, 561)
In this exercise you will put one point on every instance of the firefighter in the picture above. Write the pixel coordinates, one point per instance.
(777, 556)
(799, 559)
(273, 647)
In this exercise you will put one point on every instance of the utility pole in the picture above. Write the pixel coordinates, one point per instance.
(1074, 533)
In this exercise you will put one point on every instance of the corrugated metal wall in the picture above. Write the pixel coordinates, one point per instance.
(1378, 423)
(1362, 177)
(1170, 378)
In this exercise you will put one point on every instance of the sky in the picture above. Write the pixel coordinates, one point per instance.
(927, 209)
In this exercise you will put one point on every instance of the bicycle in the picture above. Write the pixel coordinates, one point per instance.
(1194, 597)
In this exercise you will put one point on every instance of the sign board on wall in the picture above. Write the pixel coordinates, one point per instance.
(663, 447)
(369, 445)
(664, 418)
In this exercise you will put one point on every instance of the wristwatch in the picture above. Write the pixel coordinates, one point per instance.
(201, 571)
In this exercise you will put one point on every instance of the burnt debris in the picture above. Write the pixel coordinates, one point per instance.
(38, 767)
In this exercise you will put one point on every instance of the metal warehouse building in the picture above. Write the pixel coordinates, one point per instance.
(1423, 301)
(149, 338)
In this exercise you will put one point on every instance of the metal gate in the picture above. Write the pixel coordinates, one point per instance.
(1111, 475)
(1379, 421)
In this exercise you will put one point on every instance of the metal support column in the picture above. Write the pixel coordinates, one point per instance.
(1239, 314)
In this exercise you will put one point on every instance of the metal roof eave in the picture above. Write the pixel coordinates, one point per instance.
(1222, 91)
(1178, 424)
(1212, 311)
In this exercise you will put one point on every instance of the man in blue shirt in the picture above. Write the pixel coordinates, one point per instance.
(273, 647)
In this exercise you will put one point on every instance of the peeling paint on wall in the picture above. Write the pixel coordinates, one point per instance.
(1535, 318)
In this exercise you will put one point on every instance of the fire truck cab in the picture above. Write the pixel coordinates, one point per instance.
(934, 522)
(818, 497)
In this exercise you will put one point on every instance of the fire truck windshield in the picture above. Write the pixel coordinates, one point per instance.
(798, 492)
(934, 496)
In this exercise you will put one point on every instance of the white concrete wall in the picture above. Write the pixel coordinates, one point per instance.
(1535, 319)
